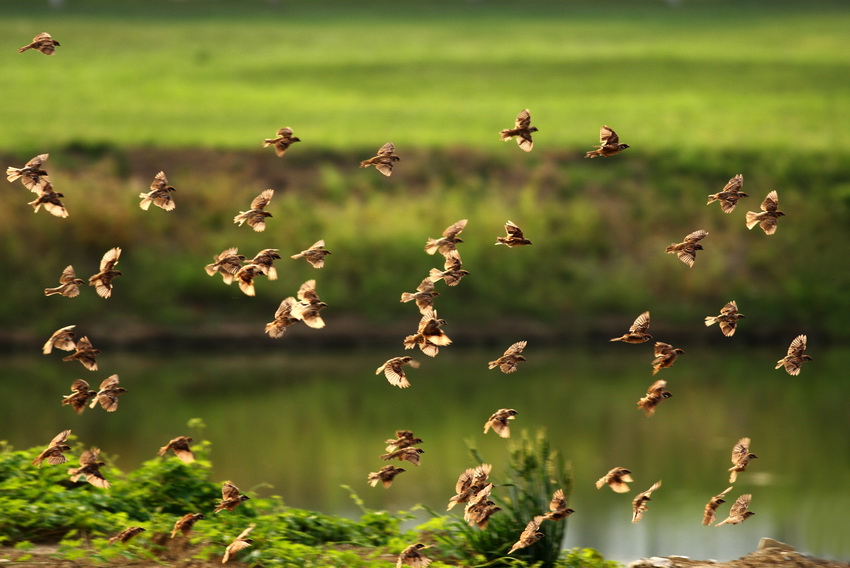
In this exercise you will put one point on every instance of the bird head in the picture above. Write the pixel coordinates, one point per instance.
(678, 350)
(806, 358)
(243, 498)
(622, 146)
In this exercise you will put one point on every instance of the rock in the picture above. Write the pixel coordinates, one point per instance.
(766, 542)
(654, 562)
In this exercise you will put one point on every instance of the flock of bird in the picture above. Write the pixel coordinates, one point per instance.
(472, 487)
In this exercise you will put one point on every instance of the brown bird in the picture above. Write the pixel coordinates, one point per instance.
(665, 356)
(181, 448)
(479, 512)
(315, 255)
(514, 236)
(447, 244)
(738, 513)
(794, 360)
(108, 394)
(617, 479)
(185, 523)
(79, 399)
(245, 278)
(687, 249)
(159, 195)
(654, 395)
(308, 307)
(730, 195)
(637, 332)
(69, 284)
(227, 263)
(522, 130)
(558, 507)
(768, 216)
(51, 201)
(412, 556)
(409, 454)
(90, 469)
(451, 274)
(728, 319)
(609, 144)
(384, 161)
(256, 215)
(429, 337)
(282, 318)
(43, 43)
(639, 502)
(403, 439)
(62, 338)
(265, 258)
(710, 513)
(282, 141)
(241, 542)
(385, 475)
(126, 534)
(53, 452)
(230, 498)
(498, 421)
(424, 296)
(741, 457)
(102, 281)
(31, 175)
(470, 483)
(85, 353)
(507, 363)
(529, 535)
(393, 370)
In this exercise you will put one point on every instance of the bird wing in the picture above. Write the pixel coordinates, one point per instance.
(798, 345)
(159, 181)
(641, 324)
(523, 119)
(697, 235)
(387, 149)
(513, 231)
(734, 184)
(59, 438)
(41, 158)
(559, 501)
(731, 308)
(454, 229)
(771, 202)
(739, 507)
(109, 382)
(262, 200)
(110, 259)
(516, 348)
(68, 275)
(307, 291)
(741, 449)
(229, 491)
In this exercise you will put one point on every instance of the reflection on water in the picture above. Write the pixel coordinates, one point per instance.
(301, 424)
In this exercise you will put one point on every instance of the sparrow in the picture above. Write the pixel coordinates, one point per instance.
(687, 249)
(62, 338)
(741, 457)
(181, 448)
(479, 513)
(384, 161)
(239, 543)
(256, 215)
(385, 475)
(412, 556)
(451, 274)
(102, 281)
(69, 284)
(245, 278)
(446, 245)
(637, 332)
(507, 363)
(768, 216)
(522, 130)
(282, 141)
(639, 503)
(429, 337)
(409, 454)
(282, 318)
(265, 258)
(159, 195)
(308, 307)
(499, 422)
(609, 144)
(665, 356)
(738, 513)
(230, 498)
(43, 43)
(108, 394)
(31, 175)
(728, 319)
(315, 255)
(126, 534)
(90, 469)
(403, 439)
(424, 296)
(53, 452)
(185, 523)
(617, 479)
(794, 360)
(529, 535)
(85, 353)
(51, 201)
(393, 370)
(227, 263)
(558, 507)
(730, 195)
(79, 399)
(710, 513)
(514, 236)
(654, 395)
(470, 483)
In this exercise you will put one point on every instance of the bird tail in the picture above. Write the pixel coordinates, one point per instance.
(36, 205)
(51, 291)
(365, 163)
(24, 48)
(733, 475)
(671, 248)
(752, 219)
(505, 135)
(267, 142)
(712, 198)
(591, 154)
(407, 296)
(710, 320)
(779, 364)
(146, 201)
(211, 269)
(373, 481)
(616, 339)
(435, 274)
(13, 173)
(431, 246)
(247, 288)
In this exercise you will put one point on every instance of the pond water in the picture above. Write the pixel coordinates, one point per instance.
(300, 424)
